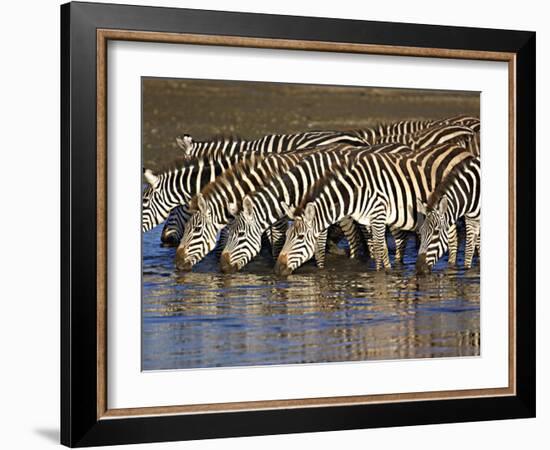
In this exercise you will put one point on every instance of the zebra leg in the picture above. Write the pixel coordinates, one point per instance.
(277, 236)
(400, 238)
(472, 236)
(367, 236)
(220, 245)
(453, 244)
(352, 235)
(379, 244)
(320, 248)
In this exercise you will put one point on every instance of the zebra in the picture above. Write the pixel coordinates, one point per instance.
(457, 196)
(271, 143)
(262, 208)
(375, 189)
(172, 188)
(279, 143)
(215, 205)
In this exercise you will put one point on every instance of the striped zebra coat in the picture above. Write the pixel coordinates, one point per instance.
(263, 208)
(457, 196)
(172, 189)
(216, 204)
(376, 190)
(225, 152)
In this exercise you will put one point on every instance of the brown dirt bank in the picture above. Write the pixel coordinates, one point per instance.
(206, 108)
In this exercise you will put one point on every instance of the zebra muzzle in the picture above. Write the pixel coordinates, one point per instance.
(422, 266)
(182, 263)
(225, 263)
(281, 266)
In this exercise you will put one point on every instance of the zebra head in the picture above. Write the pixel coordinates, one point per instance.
(156, 204)
(244, 240)
(433, 233)
(199, 236)
(300, 240)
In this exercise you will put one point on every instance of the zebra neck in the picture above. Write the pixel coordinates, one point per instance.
(452, 213)
(186, 182)
(218, 148)
(325, 217)
(176, 194)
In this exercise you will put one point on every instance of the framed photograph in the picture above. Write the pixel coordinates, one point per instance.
(276, 224)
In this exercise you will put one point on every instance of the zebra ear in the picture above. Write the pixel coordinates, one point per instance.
(248, 207)
(288, 210)
(421, 207)
(443, 205)
(150, 177)
(185, 143)
(309, 213)
(232, 209)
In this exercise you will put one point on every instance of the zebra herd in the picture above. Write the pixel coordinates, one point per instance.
(406, 177)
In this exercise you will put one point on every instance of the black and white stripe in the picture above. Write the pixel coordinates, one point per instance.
(220, 200)
(457, 196)
(376, 190)
(226, 152)
(275, 201)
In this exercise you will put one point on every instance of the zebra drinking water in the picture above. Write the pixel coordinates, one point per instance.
(263, 208)
(457, 196)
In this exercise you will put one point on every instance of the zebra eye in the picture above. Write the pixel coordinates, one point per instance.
(240, 234)
(301, 236)
(197, 229)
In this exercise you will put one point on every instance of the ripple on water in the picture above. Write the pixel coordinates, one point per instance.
(347, 312)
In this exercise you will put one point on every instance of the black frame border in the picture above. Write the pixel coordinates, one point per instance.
(79, 423)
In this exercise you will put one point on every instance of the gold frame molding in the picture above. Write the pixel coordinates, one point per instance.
(105, 35)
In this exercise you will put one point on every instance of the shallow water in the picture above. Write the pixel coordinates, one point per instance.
(346, 312)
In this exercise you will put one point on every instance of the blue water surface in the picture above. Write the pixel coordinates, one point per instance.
(346, 312)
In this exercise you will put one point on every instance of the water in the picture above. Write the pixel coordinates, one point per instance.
(347, 312)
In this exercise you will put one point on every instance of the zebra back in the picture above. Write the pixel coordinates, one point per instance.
(401, 177)
(272, 143)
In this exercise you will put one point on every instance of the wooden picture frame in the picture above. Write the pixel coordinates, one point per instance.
(85, 416)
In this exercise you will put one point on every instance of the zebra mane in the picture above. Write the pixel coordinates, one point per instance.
(182, 162)
(222, 138)
(229, 176)
(317, 188)
(442, 187)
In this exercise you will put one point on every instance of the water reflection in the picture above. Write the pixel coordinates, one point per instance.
(347, 312)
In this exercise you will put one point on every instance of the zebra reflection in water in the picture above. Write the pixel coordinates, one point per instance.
(343, 313)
